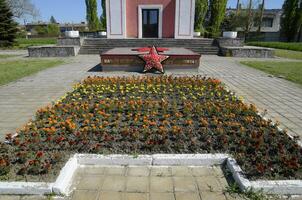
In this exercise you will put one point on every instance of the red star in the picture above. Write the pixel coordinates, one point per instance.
(153, 60)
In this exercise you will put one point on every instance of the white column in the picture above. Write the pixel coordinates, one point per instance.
(116, 18)
(184, 19)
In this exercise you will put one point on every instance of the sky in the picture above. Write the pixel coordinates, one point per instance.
(73, 11)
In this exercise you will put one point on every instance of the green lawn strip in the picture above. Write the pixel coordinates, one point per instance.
(4, 56)
(288, 54)
(22, 43)
(291, 71)
(14, 70)
(295, 46)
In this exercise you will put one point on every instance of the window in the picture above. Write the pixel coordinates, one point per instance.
(267, 22)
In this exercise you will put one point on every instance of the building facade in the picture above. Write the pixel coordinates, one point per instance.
(270, 28)
(150, 18)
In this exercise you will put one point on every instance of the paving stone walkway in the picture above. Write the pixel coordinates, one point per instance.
(281, 98)
(19, 100)
(150, 183)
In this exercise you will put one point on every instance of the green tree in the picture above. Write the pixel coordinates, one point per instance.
(201, 8)
(291, 19)
(53, 30)
(41, 30)
(103, 17)
(92, 15)
(217, 13)
(8, 27)
(53, 20)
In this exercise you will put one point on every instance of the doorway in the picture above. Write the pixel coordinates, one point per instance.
(150, 23)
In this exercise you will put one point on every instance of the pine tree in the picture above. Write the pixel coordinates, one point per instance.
(53, 20)
(291, 19)
(8, 27)
(201, 8)
(217, 9)
(92, 15)
(103, 17)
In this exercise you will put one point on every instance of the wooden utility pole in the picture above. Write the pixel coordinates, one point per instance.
(261, 17)
(238, 7)
(249, 18)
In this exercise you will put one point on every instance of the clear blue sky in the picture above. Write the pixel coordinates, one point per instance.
(73, 11)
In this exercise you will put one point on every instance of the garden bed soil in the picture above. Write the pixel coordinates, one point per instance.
(149, 115)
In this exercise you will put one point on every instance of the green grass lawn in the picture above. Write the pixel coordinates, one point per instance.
(4, 56)
(22, 43)
(14, 70)
(288, 54)
(294, 46)
(291, 71)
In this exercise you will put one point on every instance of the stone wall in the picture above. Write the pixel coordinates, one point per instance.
(69, 41)
(247, 52)
(53, 51)
(230, 42)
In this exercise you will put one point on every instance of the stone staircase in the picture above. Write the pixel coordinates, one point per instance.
(100, 45)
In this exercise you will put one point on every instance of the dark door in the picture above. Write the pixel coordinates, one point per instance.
(150, 23)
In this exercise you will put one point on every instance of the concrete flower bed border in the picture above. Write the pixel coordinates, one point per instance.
(62, 185)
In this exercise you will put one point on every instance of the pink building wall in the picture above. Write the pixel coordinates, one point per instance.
(168, 16)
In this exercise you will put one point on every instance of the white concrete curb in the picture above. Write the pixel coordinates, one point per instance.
(25, 188)
(64, 180)
(189, 159)
(282, 187)
(94, 159)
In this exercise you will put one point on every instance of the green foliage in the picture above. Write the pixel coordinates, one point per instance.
(217, 9)
(103, 17)
(295, 46)
(41, 30)
(291, 19)
(249, 194)
(201, 8)
(92, 15)
(231, 22)
(8, 28)
(53, 30)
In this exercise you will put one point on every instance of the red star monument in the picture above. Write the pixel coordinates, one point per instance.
(153, 60)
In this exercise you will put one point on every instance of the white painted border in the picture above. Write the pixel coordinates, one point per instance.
(160, 18)
(192, 14)
(64, 180)
(123, 22)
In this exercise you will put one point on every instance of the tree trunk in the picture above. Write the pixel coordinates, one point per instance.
(261, 17)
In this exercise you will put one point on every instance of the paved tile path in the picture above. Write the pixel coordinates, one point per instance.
(150, 183)
(281, 98)
(19, 100)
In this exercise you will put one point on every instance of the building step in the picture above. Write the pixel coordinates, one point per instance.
(98, 45)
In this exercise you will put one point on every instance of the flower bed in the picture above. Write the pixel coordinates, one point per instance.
(147, 115)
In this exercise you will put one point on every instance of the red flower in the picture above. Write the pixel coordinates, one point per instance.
(39, 154)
